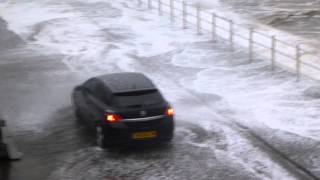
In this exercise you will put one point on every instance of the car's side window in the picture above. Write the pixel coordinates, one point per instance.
(90, 85)
(88, 88)
(99, 92)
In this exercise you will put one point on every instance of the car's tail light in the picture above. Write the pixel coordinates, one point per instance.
(170, 112)
(112, 118)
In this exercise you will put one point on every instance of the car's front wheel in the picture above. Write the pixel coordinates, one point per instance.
(100, 138)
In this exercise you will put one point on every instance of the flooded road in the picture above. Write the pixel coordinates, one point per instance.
(36, 103)
(214, 90)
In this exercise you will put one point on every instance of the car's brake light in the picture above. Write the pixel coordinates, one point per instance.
(170, 112)
(112, 118)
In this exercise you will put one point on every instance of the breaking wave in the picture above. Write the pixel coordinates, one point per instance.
(285, 16)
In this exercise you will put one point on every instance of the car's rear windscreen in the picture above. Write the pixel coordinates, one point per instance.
(137, 98)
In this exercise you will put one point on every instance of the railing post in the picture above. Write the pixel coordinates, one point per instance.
(160, 7)
(214, 18)
(198, 20)
(298, 62)
(172, 10)
(231, 33)
(273, 52)
(184, 14)
(251, 31)
(150, 4)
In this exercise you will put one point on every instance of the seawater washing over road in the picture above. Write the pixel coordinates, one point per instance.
(213, 88)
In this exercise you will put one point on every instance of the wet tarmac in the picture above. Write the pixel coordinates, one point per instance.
(37, 78)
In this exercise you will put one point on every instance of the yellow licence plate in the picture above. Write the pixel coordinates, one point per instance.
(144, 135)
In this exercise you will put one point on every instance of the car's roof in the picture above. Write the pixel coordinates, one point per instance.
(126, 82)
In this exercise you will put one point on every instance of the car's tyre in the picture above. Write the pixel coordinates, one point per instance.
(168, 140)
(100, 138)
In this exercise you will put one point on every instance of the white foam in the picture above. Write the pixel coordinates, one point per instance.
(257, 98)
(22, 16)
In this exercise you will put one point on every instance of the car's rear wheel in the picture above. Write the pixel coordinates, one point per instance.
(100, 138)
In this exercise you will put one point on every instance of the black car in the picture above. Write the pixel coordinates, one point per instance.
(123, 108)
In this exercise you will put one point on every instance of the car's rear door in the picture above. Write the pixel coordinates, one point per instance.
(96, 102)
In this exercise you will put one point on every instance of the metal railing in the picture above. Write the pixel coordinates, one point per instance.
(281, 53)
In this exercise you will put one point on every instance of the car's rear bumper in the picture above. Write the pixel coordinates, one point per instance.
(122, 133)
